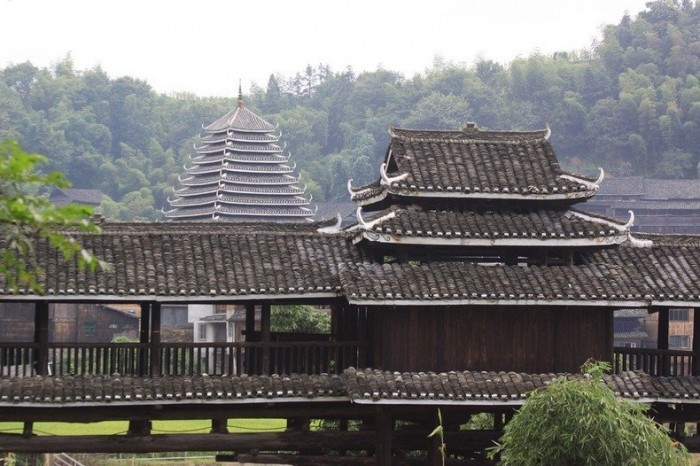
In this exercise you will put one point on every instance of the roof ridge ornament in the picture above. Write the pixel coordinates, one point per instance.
(333, 228)
(360, 220)
(386, 180)
(350, 188)
(594, 185)
(548, 133)
(630, 222)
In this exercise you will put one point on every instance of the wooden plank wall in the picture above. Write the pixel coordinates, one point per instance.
(532, 340)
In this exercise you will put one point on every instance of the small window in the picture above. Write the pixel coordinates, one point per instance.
(679, 341)
(678, 315)
(90, 328)
(202, 334)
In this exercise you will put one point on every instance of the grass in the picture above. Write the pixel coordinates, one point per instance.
(159, 427)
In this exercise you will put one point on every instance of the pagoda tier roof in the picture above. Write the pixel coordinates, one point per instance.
(203, 262)
(537, 228)
(284, 190)
(357, 385)
(233, 179)
(238, 136)
(243, 158)
(473, 163)
(254, 200)
(235, 167)
(240, 119)
(220, 209)
(238, 147)
(626, 276)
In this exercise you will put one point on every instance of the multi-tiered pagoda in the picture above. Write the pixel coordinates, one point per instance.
(240, 174)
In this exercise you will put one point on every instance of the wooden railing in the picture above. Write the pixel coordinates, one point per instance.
(654, 362)
(143, 359)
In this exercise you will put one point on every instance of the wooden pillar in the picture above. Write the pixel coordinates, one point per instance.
(41, 338)
(219, 426)
(249, 321)
(265, 337)
(362, 337)
(696, 342)
(383, 430)
(155, 339)
(144, 337)
(662, 341)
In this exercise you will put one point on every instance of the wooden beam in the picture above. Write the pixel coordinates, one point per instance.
(41, 338)
(243, 442)
(296, 460)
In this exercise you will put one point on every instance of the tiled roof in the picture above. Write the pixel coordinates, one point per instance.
(174, 261)
(631, 313)
(464, 387)
(631, 334)
(405, 225)
(475, 163)
(62, 196)
(133, 390)
(647, 188)
(355, 385)
(625, 275)
(242, 119)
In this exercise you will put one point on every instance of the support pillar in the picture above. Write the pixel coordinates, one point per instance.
(144, 337)
(155, 339)
(265, 337)
(384, 428)
(249, 333)
(662, 341)
(696, 342)
(41, 338)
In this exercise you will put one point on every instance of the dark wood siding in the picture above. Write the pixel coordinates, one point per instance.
(490, 338)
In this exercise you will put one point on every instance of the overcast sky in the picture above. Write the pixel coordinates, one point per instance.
(206, 46)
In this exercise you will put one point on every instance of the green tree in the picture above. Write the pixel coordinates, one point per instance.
(580, 421)
(26, 216)
(300, 319)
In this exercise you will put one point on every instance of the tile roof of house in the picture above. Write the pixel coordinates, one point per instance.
(177, 261)
(625, 275)
(647, 188)
(182, 262)
(62, 196)
(473, 163)
(354, 385)
(491, 227)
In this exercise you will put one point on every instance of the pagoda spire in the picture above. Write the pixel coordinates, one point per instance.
(240, 95)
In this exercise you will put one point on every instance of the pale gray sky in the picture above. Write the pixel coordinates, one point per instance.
(205, 46)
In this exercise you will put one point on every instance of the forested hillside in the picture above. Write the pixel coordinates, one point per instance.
(630, 104)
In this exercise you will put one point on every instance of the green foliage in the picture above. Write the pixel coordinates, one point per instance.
(299, 319)
(580, 421)
(26, 216)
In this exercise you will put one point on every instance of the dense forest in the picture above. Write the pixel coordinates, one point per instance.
(630, 103)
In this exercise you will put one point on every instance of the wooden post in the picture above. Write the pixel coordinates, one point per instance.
(265, 337)
(219, 426)
(695, 369)
(155, 339)
(384, 430)
(662, 341)
(362, 337)
(249, 332)
(144, 336)
(41, 338)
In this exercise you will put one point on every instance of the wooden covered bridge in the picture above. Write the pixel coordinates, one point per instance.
(468, 280)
